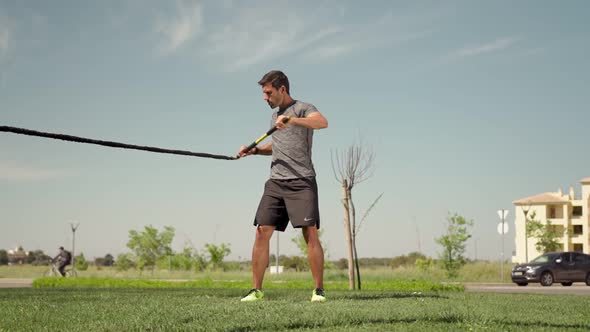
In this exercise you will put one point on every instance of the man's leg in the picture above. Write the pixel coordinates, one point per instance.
(315, 255)
(62, 269)
(260, 253)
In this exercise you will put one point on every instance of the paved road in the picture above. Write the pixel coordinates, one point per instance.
(576, 288)
(15, 283)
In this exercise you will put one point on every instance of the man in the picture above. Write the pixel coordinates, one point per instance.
(63, 259)
(291, 192)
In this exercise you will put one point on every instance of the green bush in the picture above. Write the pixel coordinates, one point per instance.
(406, 260)
(232, 266)
(342, 264)
(295, 263)
(185, 261)
(124, 262)
(3, 257)
(424, 264)
(81, 263)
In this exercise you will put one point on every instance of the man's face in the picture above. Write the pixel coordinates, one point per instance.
(274, 97)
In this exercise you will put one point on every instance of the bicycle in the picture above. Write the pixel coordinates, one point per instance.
(54, 272)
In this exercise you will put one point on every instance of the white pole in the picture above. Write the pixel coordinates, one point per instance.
(503, 214)
(503, 217)
(526, 236)
(74, 228)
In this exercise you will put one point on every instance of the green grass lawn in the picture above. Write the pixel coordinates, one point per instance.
(391, 284)
(403, 300)
(215, 309)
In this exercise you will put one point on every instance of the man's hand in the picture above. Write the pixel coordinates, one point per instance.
(241, 152)
(283, 121)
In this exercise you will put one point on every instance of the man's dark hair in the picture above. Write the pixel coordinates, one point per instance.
(276, 78)
(61, 248)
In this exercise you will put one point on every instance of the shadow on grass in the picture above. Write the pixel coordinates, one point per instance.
(272, 294)
(275, 294)
(446, 319)
(380, 296)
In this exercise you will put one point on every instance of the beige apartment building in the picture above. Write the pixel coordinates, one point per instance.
(564, 210)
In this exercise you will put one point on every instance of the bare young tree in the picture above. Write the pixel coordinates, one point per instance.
(351, 167)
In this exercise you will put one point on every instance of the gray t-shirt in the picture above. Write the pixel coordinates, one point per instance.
(291, 147)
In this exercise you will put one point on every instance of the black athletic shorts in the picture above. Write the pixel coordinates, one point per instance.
(284, 200)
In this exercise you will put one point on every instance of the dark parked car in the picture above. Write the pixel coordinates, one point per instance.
(564, 267)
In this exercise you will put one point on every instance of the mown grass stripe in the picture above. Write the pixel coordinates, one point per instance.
(95, 282)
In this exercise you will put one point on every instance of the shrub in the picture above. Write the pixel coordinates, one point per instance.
(81, 263)
(424, 264)
(408, 260)
(124, 262)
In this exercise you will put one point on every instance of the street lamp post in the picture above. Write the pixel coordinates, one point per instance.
(526, 232)
(74, 228)
(502, 229)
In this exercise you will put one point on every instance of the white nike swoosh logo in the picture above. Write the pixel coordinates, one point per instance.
(307, 219)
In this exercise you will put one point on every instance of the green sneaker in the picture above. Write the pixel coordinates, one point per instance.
(318, 295)
(253, 295)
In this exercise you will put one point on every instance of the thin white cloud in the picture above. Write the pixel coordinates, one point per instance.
(15, 172)
(495, 46)
(258, 32)
(241, 48)
(372, 36)
(332, 51)
(385, 30)
(178, 31)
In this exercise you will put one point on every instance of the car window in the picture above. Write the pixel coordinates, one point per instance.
(565, 257)
(581, 258)
(543, 258)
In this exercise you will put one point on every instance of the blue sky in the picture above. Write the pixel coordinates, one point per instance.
(467, 105)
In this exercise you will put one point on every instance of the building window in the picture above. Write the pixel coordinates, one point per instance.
(579, 247)
(577, 211)
(552, 212)
(578, 229)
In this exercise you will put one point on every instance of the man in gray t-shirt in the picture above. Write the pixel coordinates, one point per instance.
(291, 192)
(291, 147)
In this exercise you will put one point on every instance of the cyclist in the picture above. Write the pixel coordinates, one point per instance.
(63, 259)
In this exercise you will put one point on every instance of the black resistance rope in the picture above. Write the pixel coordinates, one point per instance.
(77, 139)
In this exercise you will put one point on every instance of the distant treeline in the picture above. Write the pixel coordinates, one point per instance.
(290, 263)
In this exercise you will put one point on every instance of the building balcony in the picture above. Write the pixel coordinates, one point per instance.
(557, 221)
(576, 241)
